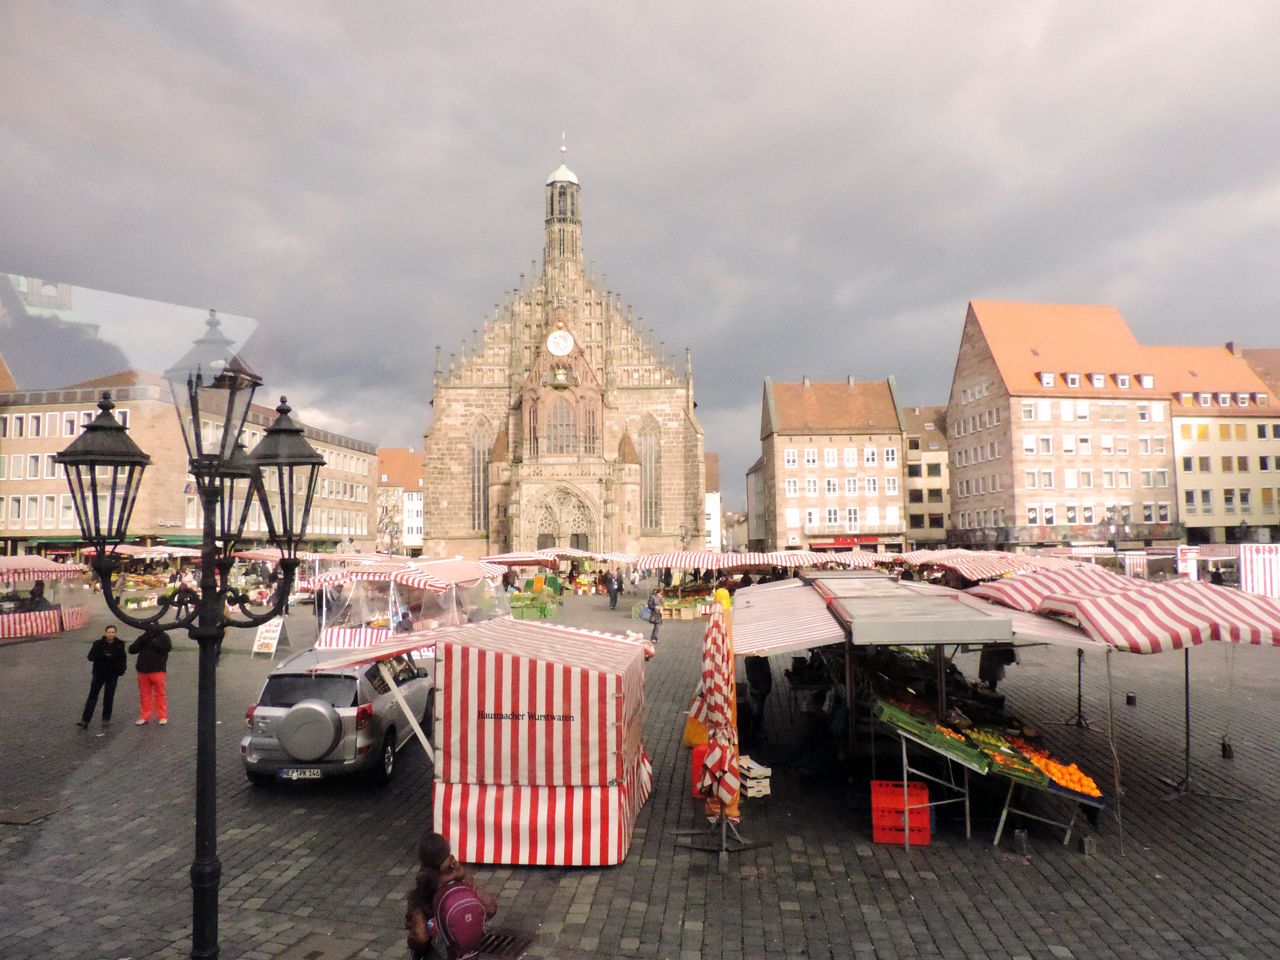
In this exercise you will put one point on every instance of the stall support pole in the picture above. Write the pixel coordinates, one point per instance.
(849, 710)
(1184, 787)
(1079, 720)
(404, 707)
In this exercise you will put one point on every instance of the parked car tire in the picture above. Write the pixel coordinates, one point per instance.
(310, 730)
(386, 768)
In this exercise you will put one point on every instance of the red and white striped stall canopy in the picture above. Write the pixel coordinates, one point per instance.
(985, 564)
(1172, 615)
(850, 559)
(520, 560)
(1025, 591)
(364, 571)
(442, 574)
(571, 553)
(713, 706)
(31, 567)
(782, 617)
(618, 557)
(704, 560)
(139, 552)
(1260, 568)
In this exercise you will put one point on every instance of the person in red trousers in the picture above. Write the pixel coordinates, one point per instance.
(152, 648)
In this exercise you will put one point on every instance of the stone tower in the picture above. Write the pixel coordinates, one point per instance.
(558, 423)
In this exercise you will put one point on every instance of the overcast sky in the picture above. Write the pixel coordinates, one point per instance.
(786, 188)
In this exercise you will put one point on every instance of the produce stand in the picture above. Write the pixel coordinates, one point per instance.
(43, 608)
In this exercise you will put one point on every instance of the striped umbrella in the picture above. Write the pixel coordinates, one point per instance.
(713, 706)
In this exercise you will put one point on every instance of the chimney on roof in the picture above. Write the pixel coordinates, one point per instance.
(1235, 348)
(805, 380)
(917, 410)
(853, 381)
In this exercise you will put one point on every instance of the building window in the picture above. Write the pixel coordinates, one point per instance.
(1246, 500)
(891, 486)
(1122, 381)
(869, 456)
(830, 457)
(1046, 379)
(851, 520)
(1033, 516)
(1229, 500)
(1147, 381)
(811, 456)
(789, 457)
(851, 486)
(811, 486)
(1046, 444)
(833, 487)
(833, 516)
(562, 430)
(1072, 514)
(1030, 479)
(890, 455)
(913, 471)
(915, 496)
(872, 486)
(792, 487)
(650, 476)
(1073, 380)
(850, 457)
(1028, 411)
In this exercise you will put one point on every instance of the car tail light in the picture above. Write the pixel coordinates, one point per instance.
(364, 713)
(248, 715)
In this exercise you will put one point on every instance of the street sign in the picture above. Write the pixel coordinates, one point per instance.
(270, 636)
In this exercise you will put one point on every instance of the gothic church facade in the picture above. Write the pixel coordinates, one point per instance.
(560, 425)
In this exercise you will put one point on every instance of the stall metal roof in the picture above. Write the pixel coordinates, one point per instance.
(794, 615)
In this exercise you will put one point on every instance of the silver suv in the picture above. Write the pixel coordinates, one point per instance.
(312, 723)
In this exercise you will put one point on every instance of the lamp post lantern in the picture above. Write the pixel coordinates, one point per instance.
(212, 391)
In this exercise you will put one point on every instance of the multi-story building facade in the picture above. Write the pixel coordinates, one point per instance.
(1226, 439)
(562, 423)
(927, 479)
(36, 513)
(400, 501)
(1060, 431)
(831, 467)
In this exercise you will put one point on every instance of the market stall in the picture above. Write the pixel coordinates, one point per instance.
(39, 597)
(540, 751)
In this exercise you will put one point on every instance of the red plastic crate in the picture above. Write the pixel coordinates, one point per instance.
(889, 822)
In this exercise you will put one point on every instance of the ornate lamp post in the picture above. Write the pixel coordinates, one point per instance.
(104, 471)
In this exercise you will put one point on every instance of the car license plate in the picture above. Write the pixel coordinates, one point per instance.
(300, 773)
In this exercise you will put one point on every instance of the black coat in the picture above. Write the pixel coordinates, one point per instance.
(152, 648)
(108, 659)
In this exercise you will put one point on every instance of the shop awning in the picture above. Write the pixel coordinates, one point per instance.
(31, 567)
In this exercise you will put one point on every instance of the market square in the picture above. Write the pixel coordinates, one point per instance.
(110, 820)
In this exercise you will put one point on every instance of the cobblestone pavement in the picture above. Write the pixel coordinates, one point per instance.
(95, 834)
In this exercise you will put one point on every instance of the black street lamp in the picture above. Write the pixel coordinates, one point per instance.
(212, 390)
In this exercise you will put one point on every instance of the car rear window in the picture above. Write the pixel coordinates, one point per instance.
(286, 690)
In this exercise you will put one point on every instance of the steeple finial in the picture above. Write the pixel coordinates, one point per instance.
(563, 149)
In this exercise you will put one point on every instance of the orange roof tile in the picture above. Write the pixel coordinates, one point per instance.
(1211, 370)
(915, 418)
(1027, 339)
(1266, 364)
(402, 467)
(832, 407)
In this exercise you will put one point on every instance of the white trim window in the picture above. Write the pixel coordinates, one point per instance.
(869, 457)
(810, 486)
(871, 486)
(792, 487)
(850, 457)
(790, 458)
(890, 456)
(851, 486)
(833, 487)
(830, 457)
(810, 456)
(891, 486)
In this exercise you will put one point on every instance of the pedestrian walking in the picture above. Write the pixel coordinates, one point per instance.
(152, 648)
(614, 584)
(109, 664)
(446, 903)
(655, 612)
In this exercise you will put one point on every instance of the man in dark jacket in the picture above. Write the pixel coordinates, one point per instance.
(152, 648)
(109, 664)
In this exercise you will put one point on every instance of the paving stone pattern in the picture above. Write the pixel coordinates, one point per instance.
(96, 833)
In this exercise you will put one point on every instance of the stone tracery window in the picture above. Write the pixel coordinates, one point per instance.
(650, 450)
(590, 431)
(481, 445)
(562, 428)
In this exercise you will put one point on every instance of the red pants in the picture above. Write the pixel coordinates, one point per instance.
(151, 688)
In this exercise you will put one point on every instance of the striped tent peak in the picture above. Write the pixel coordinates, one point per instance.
(24, 568)
(1148, 620)
(849, 559)
(1024, 591)
(618, 557)
(368, 571)
(520, 560)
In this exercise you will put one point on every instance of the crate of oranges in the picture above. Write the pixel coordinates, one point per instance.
(1066, 776)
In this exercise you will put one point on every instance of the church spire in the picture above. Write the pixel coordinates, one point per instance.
(562, 250)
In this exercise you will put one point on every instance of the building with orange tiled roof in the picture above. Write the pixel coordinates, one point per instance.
(830, 472)
(401, 488)
(1065, 430)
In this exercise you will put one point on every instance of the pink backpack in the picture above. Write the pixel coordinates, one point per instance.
(460, 919)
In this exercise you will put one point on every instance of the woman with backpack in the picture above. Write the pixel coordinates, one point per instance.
(446, 903)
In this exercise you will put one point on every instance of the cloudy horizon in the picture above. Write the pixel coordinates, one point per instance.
(812, 188)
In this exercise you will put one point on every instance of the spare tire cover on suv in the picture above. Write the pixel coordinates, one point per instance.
(310, 730)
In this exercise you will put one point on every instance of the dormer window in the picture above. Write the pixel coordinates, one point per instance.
(1224, 399)
(1073, 380)
(1184, 399)
(1098, 380)
(1147, 381)
(1046, 379)
(1205, 399)
(1260, 399)
(1242, 399)
(1122, 381)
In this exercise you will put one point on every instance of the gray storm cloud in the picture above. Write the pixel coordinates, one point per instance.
(803, 188)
